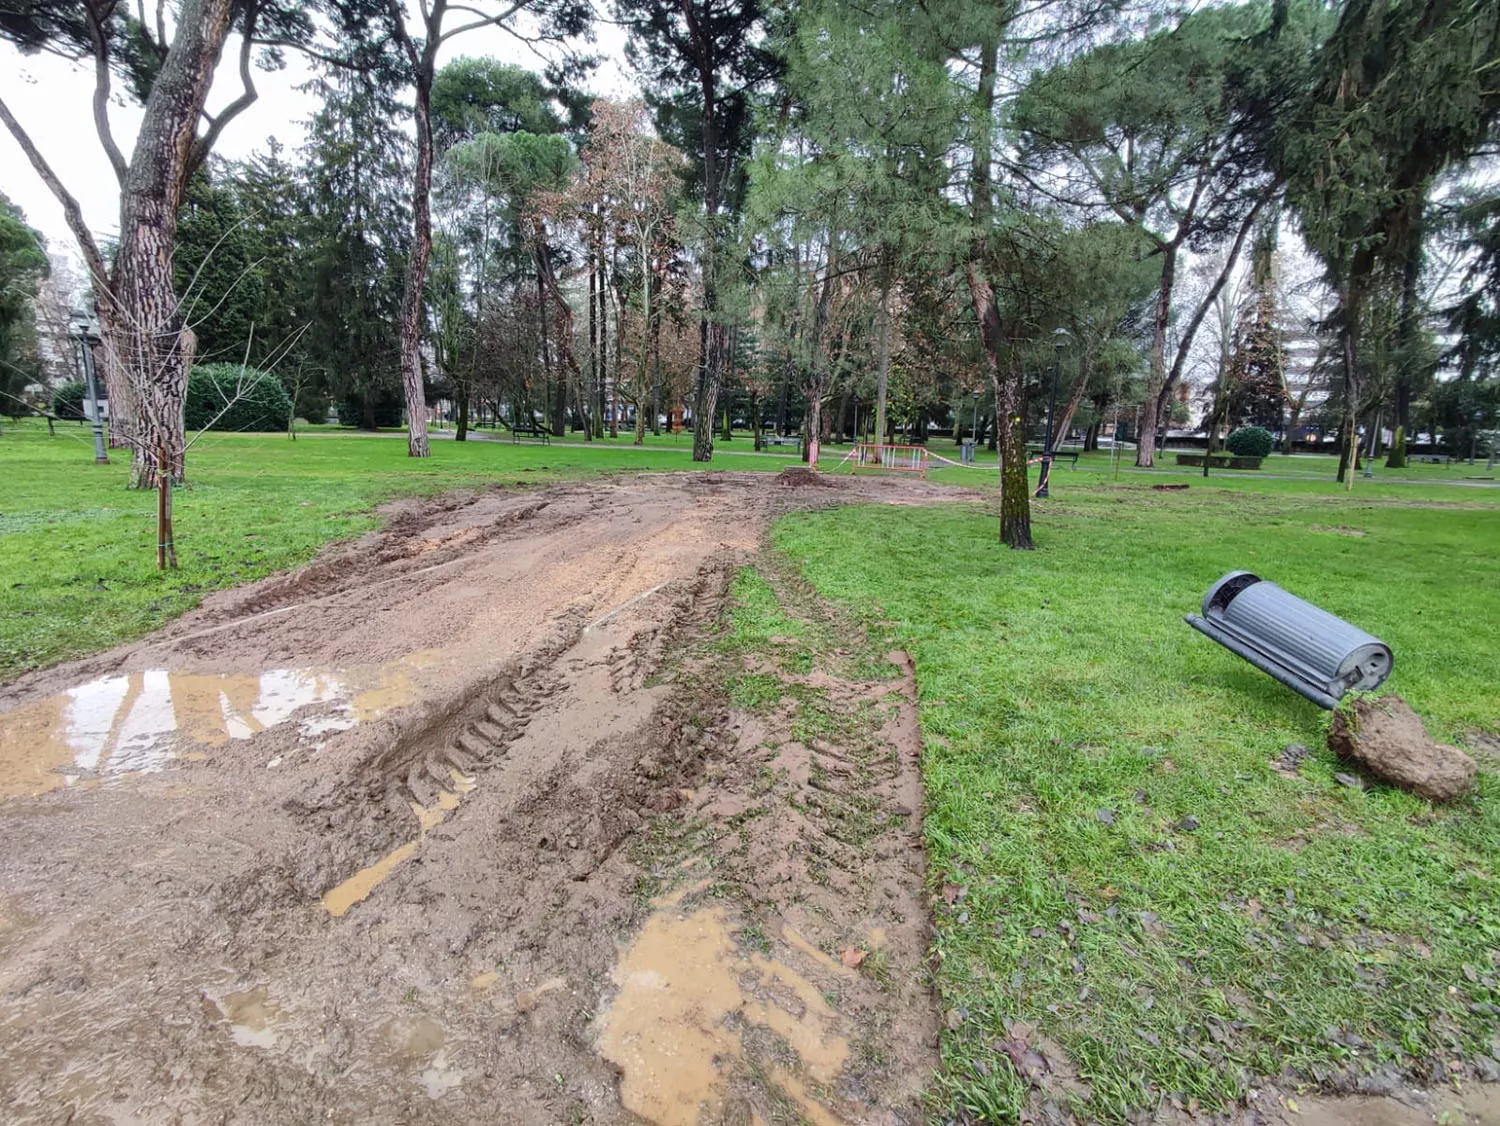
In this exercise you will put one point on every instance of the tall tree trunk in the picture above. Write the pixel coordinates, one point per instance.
(547, 279)
(421, 250)
(1015, 491)
(1005, 367)
(656, 375)
(1060, 431)
(710, 332)
(1409, 328)
(151, 345)
(1158, 408)
(1145, 449)
(461, 401)
(760, 441)
(883, 360)
(1349, 444)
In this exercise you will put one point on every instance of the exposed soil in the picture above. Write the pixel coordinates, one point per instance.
(457, 825)
(475, 821)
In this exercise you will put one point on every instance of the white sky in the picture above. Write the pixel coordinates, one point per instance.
(52, 98)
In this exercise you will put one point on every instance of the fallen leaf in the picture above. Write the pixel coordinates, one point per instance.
(1254, 908)
(852, 957)
(952, 893)
(1167, 766)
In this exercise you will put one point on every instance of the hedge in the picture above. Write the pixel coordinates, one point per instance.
(231, 397)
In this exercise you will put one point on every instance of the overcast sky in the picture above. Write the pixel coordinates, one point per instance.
(53, 100)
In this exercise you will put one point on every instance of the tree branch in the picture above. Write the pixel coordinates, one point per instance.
(71, 211)
(100, 51)
(204, 144)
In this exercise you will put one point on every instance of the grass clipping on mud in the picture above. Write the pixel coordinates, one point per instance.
(1133, 852)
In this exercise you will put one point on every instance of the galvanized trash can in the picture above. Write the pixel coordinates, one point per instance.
(966, 452)
(1309, 650)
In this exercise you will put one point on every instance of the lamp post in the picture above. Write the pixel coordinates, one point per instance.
(1474, 435)
(83, 332)
(976, 418)
(1059, 341)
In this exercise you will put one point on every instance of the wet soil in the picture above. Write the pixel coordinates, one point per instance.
(478, 820)
(459, 824)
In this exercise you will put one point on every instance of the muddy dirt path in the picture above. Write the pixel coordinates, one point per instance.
(459, 824)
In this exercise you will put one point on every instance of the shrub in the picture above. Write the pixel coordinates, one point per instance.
(1250, 441)
(248, 398)
(67, 400)
(1396, 459)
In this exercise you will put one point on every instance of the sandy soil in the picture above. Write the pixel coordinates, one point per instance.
(383, 840)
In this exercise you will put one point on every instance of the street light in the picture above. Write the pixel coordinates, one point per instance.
(1474, 435)
(85, 333)
(1059, 341)
(976, 418)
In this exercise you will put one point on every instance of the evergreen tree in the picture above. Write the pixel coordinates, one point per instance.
(23, 266)
(356, 239)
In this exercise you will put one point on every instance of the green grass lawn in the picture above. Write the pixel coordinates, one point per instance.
(1113, 860)
(77, 549)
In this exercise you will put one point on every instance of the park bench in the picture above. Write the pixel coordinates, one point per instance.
(793, 440)
(530, 429)
(1429, 459)
(1057, 455)
(1220, 461)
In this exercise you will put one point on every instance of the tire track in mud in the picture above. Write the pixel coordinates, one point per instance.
(165, 954)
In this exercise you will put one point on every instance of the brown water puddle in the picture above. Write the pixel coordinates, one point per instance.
(357, 888)
(138, 722)
(687, 995)
(251, 1015)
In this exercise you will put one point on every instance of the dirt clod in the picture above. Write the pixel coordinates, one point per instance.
(1387, 738)
(798, 476)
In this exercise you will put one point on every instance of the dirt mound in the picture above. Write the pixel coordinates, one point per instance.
(799, 476)
(1387, 738)
(376, 841)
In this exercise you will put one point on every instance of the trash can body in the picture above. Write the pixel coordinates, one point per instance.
(1311, 651)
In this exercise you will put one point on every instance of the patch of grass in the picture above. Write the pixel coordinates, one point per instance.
(78, 549)
(1123, 869)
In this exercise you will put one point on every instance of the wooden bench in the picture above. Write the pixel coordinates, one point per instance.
(1430, 459)
(793, 440)
(531, 429)
(1057, 455)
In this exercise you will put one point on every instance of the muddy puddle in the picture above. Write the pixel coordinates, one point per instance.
(357, 888)
(689, 1000)
(139, 722)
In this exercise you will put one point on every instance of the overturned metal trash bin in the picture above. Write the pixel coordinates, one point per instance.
(1309, 650)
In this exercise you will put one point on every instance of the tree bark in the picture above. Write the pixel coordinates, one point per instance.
(1005, 367)
(421, 250)
(710, 332)
(154, 354)
(1060, 431)
(883, 364)
(1145, 449)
